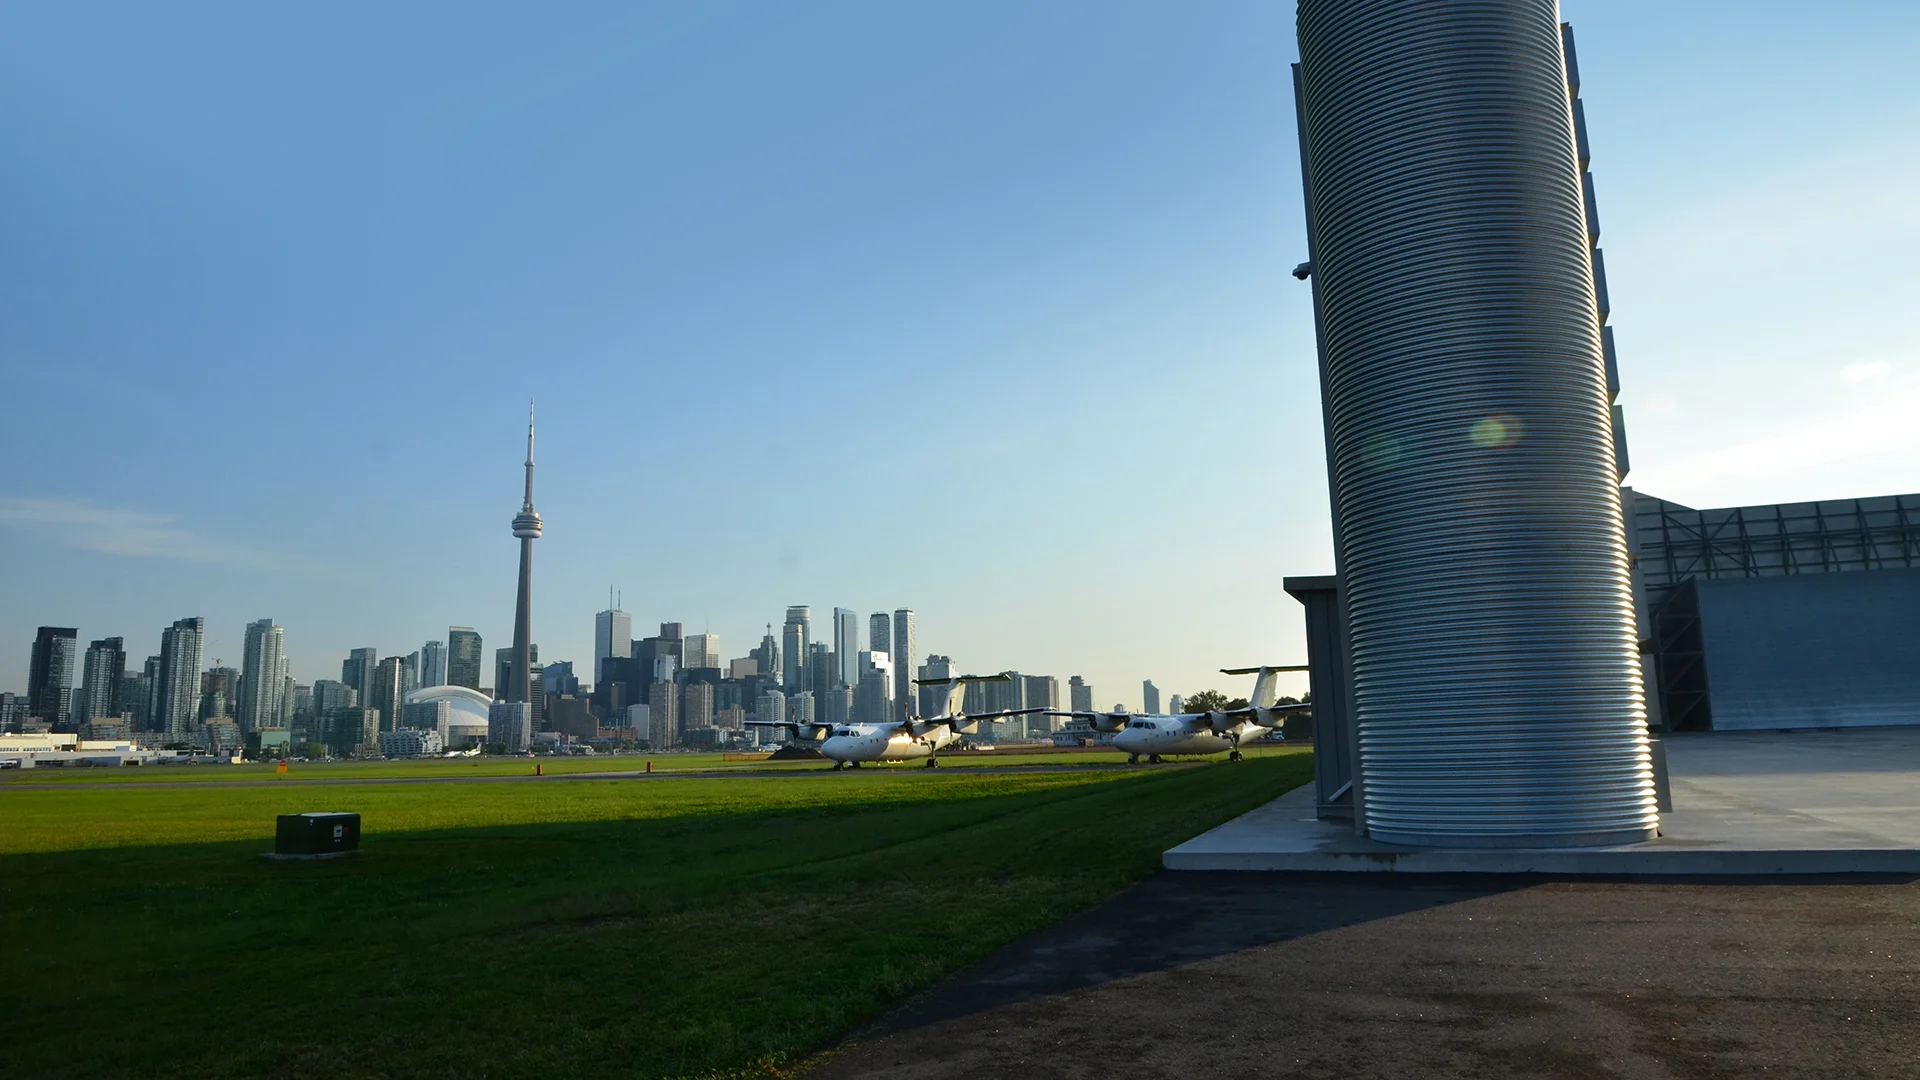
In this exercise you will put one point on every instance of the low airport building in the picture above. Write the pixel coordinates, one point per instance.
(40, 750)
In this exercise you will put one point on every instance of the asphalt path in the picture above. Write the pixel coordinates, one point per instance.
(1264, 975)
(664, 774)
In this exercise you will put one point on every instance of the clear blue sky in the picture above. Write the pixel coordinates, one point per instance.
(979, 308)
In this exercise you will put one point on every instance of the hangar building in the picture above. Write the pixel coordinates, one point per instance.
(1797, 615)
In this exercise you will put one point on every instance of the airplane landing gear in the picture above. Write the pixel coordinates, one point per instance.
(838, 765)
(1153, 759)
(1133, 759)
(1233, 755)
(853, 764)
(933, 763)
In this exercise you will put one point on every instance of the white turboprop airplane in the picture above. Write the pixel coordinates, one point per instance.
(913, 738)
(1154, 734)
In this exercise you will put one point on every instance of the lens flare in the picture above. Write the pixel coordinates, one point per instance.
(1497, 432)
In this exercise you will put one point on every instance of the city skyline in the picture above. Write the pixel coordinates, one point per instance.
(1036, 287)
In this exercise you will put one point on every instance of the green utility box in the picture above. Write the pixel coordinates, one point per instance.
(317, 834)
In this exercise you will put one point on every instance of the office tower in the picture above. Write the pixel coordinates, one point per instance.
(903, 654)
(300, 714)
(219, 693)
(510, 724)
(558, 678)
(503, 660)
(526, 526)
(1010, 693)
(771, 707)
(1080, 695)
(820, 667)
(463, 657)
(263, 670)
(612, 636)
(101, 673)
(152, 713)
(287, 702)
(435, 716)
(800, 707)
(1173, 706)
(793, 648)
(700, 651)
(50, 677)
(331, 700)
(638, 721)
(846, 646)
(1149, 697)
(1042, 692)
(389, 692)
(880, 634)
(663, 713)
(136, 694)
(837, 706)
(177, 697)
(357, 671)
(696, 706)
(410, 672)
(873, 698)
(433, 664)
(767, 656)
(742, 667)
(931, 690)
(671, 631)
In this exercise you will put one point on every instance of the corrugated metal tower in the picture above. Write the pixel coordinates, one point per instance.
(1496, 675)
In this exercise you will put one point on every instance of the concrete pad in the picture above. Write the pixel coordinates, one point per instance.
(1745, 804)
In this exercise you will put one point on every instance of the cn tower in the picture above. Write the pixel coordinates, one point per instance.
(526, 526)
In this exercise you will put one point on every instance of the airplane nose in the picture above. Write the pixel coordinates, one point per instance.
(838, 747)
(1126, 738)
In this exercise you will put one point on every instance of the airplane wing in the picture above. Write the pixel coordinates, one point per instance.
(998, 714)
(963, 678)
(1256, 671)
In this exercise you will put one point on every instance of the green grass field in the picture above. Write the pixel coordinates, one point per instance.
(686, 927)
(523, 766)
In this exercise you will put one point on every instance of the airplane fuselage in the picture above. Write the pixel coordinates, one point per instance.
(1146, 736)
(851, 743)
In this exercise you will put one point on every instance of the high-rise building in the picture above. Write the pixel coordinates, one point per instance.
(101, 673)
(663, 713)
(1080, 695)
(932, 696)
(903, 654)
(526, 526)
(177, 696)
(793, 648)
(820, 669)
(263, 673)
(1173, 706)
(696, 706)
(410, 671)
(800, 707)
(612, 636)
(503, 673)
(880, 634)
(700, 651)
(219, 691)
(1042, 692)
(846, 647)
(136, 696)
(389, 692)
(357, 671)
(433, 664)
(50, 676)
(1149, 697)
(767, 656)
(463, 657)
(873, 698)
(771, 707)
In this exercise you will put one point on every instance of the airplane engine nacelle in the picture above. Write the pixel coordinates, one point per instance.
(1109, 722)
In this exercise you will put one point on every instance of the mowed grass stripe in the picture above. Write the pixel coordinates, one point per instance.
(662, 929)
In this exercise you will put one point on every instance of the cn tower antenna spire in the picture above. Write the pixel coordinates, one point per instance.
(529, 503)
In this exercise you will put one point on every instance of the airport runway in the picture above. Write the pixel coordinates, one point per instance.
(747, 772)
(1193, 975)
